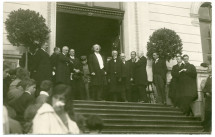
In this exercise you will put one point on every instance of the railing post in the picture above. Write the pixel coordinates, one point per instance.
(198, 106)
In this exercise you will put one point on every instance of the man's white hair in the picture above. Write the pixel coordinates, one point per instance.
(65, 47)
(114, 51)
(96, 45)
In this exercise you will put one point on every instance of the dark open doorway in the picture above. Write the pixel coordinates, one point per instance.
(81, 32)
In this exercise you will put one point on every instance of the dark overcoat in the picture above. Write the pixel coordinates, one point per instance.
(42, 68)
(174, 91)
(62, 69)
(54, 59)
(127, 73)
(187, 81)
(99, 77)
(208, 89)
(114, 72)
(140, 74)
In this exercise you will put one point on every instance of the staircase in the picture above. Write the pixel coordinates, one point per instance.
(139, 118)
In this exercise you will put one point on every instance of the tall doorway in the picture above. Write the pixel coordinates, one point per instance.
(80, 32)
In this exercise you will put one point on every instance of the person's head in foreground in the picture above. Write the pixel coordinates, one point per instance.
(46, 85)
(94, 124)
(28, 85)
(58, 99)
(53, 117)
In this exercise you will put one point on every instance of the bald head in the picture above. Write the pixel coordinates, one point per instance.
(65, 50)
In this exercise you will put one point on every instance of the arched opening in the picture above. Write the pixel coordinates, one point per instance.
(205, 19)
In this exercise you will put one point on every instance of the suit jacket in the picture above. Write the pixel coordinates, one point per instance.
(126, 70)
(74, 64)
(22, 103)
(99, 78)
(114, 68)
(114, 73)
(140, 74)
(131, 66)
(43, 69)
(160, 68)
(62, 69)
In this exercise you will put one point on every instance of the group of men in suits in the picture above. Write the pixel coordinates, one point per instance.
(125, 80)
(117, 78)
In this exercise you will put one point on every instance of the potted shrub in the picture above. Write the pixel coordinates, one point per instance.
(26, 28)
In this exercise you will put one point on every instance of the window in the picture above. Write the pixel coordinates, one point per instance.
(205, 19)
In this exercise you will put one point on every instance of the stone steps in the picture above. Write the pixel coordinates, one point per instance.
(139, 118)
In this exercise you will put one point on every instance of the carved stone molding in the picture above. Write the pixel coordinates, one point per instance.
(89, 11)
(194, 12)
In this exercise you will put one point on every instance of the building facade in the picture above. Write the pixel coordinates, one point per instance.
(134, 22)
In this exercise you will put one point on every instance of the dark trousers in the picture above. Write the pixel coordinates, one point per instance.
(128, 94)
(124, 90)
(97, 92)
(160, 87)
(87, 91)
(133, 93)
(142, 93)
(207, 121)
(78, 91)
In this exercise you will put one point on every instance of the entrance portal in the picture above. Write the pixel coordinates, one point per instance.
(80, 32)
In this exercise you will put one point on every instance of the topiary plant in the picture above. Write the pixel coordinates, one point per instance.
(165, 42)
(26, 28)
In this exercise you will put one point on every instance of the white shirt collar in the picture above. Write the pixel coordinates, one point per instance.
(43, 49)
(44, 93)
(157, 59)
(28, 92)
(180, 64)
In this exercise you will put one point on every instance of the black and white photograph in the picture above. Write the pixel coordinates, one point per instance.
(107, 67)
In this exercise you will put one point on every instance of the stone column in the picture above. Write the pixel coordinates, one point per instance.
(129, 34)
(51, 20)
(198, 106)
